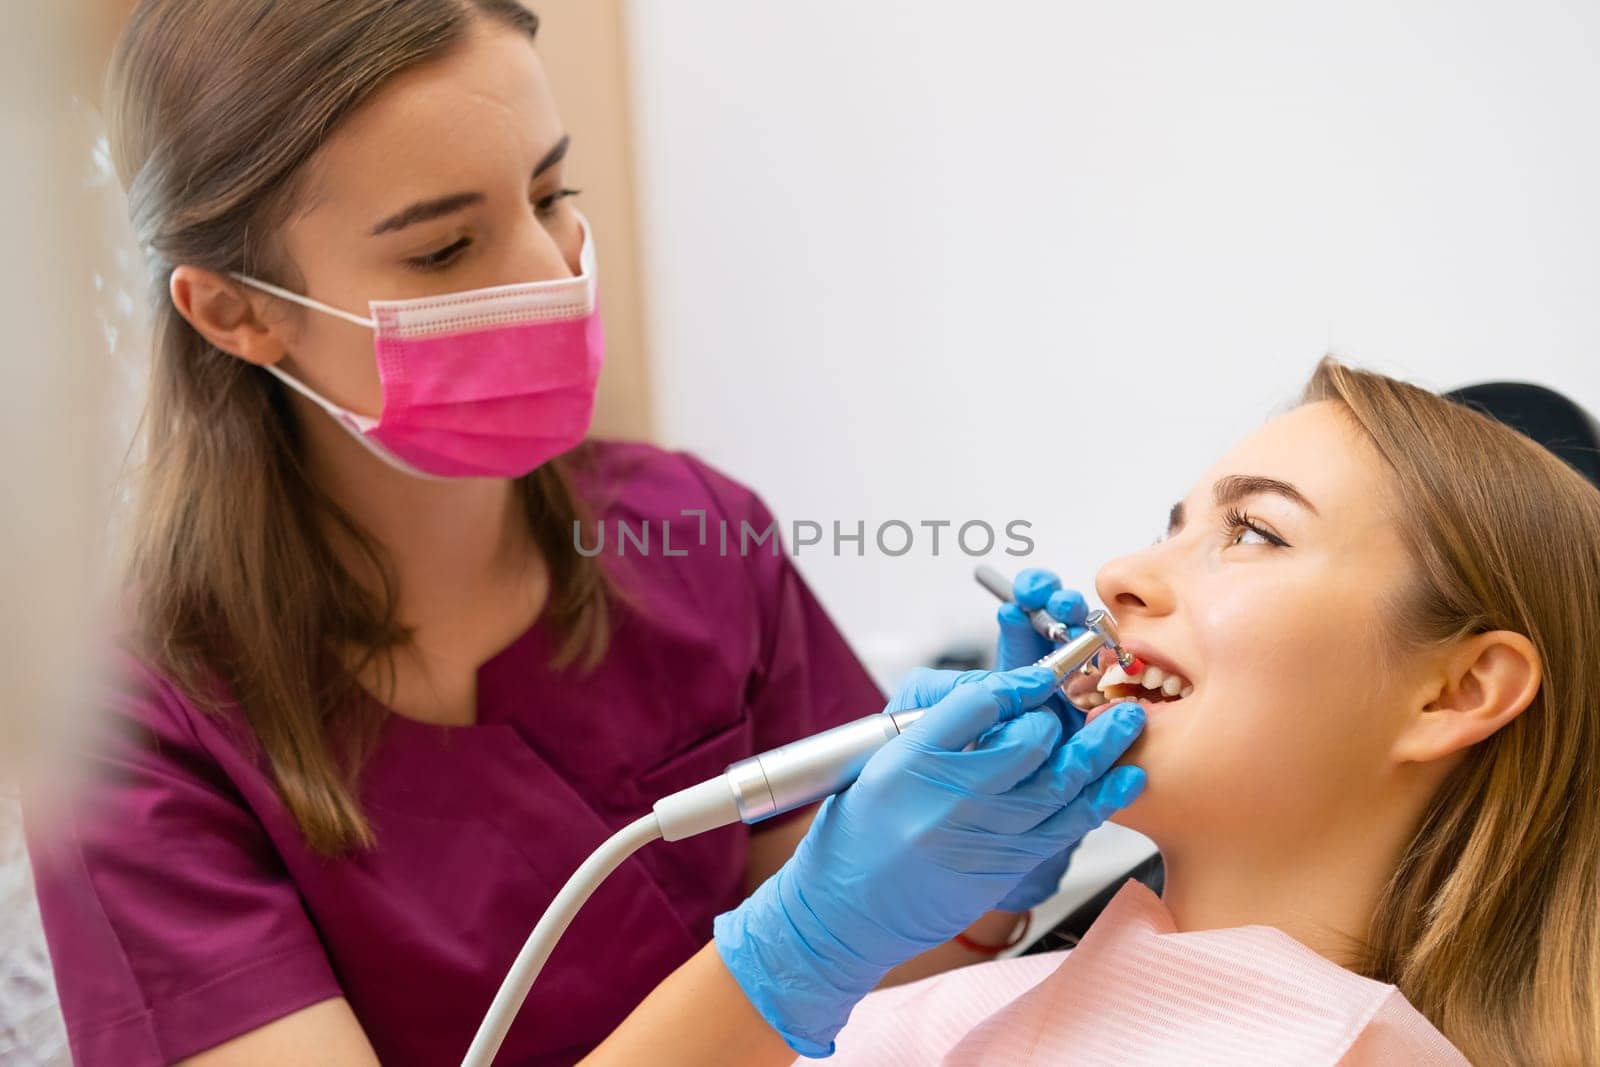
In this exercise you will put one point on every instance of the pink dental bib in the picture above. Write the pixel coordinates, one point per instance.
(1136, 991)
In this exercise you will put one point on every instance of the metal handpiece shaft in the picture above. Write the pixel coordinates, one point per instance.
(1076, 652)
(804, 771)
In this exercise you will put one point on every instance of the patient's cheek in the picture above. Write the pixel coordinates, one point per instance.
(1146, 813)
(1131, 818)
(1210, 771)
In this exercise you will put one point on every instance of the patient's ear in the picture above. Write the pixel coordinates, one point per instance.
(1486, 681)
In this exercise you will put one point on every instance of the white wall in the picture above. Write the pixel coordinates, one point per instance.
(1047, 261)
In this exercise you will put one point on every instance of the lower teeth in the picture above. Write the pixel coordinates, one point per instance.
(1136, 692)
(1120, 692)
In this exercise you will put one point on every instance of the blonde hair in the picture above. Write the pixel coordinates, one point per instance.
(216, 108)
(1490, 924)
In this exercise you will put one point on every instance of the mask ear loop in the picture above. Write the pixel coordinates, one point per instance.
(356, 425)
(363, 423)
(304, 301)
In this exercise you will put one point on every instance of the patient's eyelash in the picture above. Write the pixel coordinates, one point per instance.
(1236, 523)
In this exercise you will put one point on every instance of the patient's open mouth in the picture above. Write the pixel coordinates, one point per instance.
(1144, 683)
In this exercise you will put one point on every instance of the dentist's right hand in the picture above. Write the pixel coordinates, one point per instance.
(929, 838)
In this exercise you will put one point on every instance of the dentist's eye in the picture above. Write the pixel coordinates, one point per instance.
(546, 205)
(439, 259)
(1240, 527)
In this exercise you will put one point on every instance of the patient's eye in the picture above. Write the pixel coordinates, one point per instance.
(1241, 529)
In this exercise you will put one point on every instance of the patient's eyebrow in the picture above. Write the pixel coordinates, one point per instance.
(1235, 487)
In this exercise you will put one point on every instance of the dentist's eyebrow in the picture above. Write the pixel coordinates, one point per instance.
(555, 155)
(1236, 487)
(423, 210)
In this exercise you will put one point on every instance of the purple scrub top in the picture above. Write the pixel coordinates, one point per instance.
(182, 908)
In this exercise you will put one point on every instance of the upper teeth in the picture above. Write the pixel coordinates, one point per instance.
(1172, 685)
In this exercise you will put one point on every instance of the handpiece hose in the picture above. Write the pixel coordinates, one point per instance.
(552, 924)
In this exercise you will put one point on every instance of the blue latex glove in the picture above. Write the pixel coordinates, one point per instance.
(1021, 644)
(929, 838)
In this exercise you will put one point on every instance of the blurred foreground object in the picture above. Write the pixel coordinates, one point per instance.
(55, 422)
(57, 453)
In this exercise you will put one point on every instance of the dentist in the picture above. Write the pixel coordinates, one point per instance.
(374, 705)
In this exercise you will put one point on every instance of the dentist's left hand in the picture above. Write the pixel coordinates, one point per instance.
(1020, 644)
(929, 838)
(1034, 589)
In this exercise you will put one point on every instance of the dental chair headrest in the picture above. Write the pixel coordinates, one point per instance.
(1543, 414)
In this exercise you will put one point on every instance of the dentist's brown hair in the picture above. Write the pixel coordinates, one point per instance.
(1490, 924)
(216, 107)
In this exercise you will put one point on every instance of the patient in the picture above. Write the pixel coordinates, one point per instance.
(1377, 788)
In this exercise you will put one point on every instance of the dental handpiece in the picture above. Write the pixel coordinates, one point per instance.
(813, 768)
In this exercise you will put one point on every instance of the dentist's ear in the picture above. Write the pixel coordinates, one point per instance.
(1487, 680)
(223, 314)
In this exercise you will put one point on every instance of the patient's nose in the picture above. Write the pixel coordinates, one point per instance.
(1133, 585)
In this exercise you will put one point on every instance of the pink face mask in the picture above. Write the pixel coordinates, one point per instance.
(487, 383)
